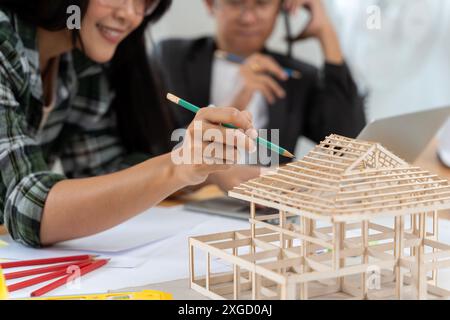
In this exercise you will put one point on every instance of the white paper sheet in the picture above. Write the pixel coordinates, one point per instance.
(168, 259)
(149, 227)
(164, 260)
(135, 233)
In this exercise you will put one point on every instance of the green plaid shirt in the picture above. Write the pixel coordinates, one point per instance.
(80, 131)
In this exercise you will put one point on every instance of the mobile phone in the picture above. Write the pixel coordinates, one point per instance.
(288, 29)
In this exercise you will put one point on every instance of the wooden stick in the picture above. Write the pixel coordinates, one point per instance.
(436, 238)
(399, 226)
(237, 282)
(303, 269)
(191, 263)
(365, 256)
(337, 250)
(421, 270)
(208, 270)
(253, 224)
(341, 247)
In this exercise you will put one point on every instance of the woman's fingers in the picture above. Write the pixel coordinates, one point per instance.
(209, 140)
(218, 153)
(220, 115)
(225, 115)
(225, 136)
(209, 147)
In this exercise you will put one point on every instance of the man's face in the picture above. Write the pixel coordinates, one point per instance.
(243, 26)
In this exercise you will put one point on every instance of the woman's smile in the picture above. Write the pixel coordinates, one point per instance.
(112, 35)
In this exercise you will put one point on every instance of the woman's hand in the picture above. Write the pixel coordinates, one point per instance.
(233, 177)
(260, 74)
(209, 147)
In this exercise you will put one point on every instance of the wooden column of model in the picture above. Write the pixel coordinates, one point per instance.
(325, 242)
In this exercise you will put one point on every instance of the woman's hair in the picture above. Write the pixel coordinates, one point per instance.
(143, 118)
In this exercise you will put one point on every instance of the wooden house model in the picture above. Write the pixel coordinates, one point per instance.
(327, 242)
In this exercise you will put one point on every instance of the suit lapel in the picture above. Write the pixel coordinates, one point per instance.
(278, 112)
(198, 70)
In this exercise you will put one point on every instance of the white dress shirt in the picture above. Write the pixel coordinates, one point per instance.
(444, 144)
(226, 84)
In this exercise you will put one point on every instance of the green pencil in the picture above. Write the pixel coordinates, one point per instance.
(261, 141)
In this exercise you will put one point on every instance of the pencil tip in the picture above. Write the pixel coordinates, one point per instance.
(288, 154)
(173, 98)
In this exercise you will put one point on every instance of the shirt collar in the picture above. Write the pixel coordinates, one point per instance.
(84, 66)
(73, 65)
(28, 37)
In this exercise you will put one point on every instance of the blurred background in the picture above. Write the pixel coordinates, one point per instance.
(402, 66)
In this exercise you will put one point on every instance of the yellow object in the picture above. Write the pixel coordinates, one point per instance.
(142, 295)
(3, 290)
(3, 244)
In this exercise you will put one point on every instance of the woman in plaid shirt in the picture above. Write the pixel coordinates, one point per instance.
(86, 97)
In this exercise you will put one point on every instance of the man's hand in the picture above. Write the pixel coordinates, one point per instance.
(260, 74)
(227, 180)
(319, 27)
(319, 22)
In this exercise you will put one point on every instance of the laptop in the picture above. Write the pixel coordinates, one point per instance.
(407, 135)
(227, 207)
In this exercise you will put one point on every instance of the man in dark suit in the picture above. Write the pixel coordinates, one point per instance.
(317, 103)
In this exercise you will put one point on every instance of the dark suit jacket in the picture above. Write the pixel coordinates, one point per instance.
(316, 105)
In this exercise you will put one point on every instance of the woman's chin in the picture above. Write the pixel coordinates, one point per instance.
(100, 56)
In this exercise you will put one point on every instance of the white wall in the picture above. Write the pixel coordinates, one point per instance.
(405, 65)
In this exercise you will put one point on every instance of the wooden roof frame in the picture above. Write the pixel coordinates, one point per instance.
(346, 179)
